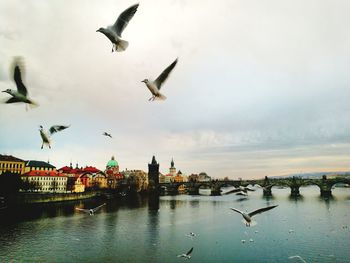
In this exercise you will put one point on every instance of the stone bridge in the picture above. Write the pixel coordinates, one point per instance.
(294, 183)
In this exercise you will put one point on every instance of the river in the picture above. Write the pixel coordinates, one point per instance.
(141, 229)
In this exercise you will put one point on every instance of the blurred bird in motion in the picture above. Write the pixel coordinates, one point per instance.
(90, 211)
(107, 134)
(187, 255)
(154, 86)
(21, 94)
(114, 32)
(46, 136)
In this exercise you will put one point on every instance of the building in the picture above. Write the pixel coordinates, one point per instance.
(112, 166)
(203, 177)
(153, 175)
(112, 173)
(11, 164)
(44, 181)
(38, 166)
(172, 169)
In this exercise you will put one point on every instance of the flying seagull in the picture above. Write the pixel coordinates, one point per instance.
(21, 95)
(92, 210)
(107, 134)
(46, 136)
(114, 32)
(154, 86)
(187, 255)
(248, 216)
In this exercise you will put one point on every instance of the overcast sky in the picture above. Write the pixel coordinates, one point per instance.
(260, 88)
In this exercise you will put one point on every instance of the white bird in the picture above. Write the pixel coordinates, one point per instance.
(248, 216)
(114, 32)
(107, 134)
(242, 193)
(191, 235)
(46, 136)
(187, 255)
(21, 95)
(92, 210)
(298, 257)
(154, 86)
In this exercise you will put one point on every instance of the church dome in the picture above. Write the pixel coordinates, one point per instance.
(112, 163)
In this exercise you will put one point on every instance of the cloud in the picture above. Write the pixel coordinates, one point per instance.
(256, 84)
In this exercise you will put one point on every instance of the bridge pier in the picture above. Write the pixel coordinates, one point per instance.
(267, 191)
(294, 191)
(193, 191)
(325, 187)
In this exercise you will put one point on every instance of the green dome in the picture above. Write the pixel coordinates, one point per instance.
(112, 163)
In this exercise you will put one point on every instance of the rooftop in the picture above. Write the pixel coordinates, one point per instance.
(10, 158)
(32, 163)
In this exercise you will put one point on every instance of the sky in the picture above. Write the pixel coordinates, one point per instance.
(260, 89)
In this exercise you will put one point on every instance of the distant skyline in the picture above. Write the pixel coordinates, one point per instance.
(260, 87)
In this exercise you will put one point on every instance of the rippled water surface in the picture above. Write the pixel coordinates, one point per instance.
(143, 230)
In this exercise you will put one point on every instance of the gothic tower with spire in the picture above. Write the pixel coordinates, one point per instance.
(153, 175)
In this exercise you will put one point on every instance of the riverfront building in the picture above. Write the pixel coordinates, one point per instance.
(38, 166)
(44, 181)
(9, 163)
(112, 173)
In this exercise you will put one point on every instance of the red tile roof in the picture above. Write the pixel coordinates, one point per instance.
(43, 173)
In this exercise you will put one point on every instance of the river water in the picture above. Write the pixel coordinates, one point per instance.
(139, 229)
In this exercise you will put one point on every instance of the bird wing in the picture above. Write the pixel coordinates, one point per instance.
(190, 251)
(164, 75)
(12, 100)
(124, 19)
(18, 79)
(57, 128)
(238, 211)
(98, 207)
(258, 211)
(83, 210)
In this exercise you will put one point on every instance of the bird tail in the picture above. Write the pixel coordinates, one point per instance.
(160, 97)
(33, 104)
(122, 45)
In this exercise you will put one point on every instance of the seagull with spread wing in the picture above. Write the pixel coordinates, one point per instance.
(187, 255)
(154, 86)
(248, 216)
(107, 134)
(114, 32)
(21, 94)
(46, 136)
(90, 211)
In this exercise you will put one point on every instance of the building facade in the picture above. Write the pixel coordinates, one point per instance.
(44, 181)
(9, 163)
(38, 166)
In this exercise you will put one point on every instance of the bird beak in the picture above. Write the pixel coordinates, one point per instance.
(3, 91)
(98, 30)
(144, 81)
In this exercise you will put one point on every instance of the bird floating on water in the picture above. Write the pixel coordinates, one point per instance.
(187, 255)
(90, 211)
(21, 94)
(46, 136)
(107, 134)
(154, 86)
(191, 235)
(248, 216)
(114, 32)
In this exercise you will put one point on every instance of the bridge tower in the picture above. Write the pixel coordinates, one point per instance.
(153, 175)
